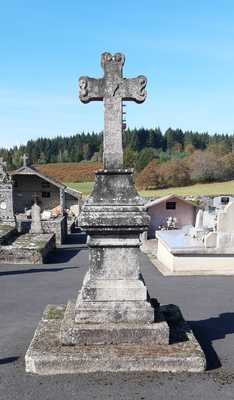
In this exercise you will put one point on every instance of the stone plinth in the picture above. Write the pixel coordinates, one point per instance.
(47, 356)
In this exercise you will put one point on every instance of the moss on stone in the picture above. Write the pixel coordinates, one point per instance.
(55, 313)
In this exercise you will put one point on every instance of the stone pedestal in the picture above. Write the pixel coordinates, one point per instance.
(113, 325)
(113, 289)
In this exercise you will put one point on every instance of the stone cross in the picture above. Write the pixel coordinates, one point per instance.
(25, 160)
(112, 89)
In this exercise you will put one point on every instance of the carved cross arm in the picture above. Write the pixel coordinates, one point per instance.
(91, 89)
(134, 89)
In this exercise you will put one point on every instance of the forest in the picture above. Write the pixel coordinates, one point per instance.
(173, 158)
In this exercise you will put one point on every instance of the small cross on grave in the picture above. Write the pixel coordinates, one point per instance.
(112, 89)
(25, 160)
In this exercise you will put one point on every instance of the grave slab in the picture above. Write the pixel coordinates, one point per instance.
(28, 249)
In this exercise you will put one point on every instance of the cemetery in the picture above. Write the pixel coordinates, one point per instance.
(29, 248)
(206, 248)
(116, 200)
(27, 237)
(182, 211)
(57, 201)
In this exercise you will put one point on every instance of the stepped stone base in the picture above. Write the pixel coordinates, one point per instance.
(72, 333)
(128, 352)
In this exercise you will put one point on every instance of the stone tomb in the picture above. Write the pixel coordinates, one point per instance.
(14, 248)
(202, 251)
(113, 325)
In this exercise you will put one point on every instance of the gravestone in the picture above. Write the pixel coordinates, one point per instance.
(25, 160)
(36, 226)
(6, 196)
(113, 325)
(199, 221)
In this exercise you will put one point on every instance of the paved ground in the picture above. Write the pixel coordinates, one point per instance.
(205, 301)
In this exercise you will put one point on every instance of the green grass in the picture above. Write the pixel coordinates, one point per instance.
(200, 189)
(203, 189)
(84, 187)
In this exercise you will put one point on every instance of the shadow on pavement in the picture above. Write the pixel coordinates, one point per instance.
(33, 270)
(8, 360)
(76, 238)
(61, 255)
(212, 329)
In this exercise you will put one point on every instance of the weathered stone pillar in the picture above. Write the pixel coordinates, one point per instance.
(114, 217)
(7, 216)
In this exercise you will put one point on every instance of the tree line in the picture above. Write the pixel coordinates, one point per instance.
(141, 146)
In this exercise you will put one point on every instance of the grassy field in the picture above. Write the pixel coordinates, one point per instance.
(211, 189)
(84, 187)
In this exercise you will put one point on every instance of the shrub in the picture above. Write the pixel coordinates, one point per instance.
(204, 166)
(149, 178)
(227, 166)
(145, 156)
(174, 173)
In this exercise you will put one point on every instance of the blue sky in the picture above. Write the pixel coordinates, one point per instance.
(185, 48)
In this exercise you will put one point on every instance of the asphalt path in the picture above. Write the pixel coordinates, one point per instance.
(207, 302)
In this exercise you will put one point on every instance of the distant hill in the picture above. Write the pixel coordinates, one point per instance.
(70, 172)
(140, 146)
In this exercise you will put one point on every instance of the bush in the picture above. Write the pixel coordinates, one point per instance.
(227, 166)
(149, 178)
(145, 156)
(204, 166)
(174, 173)
(170, 173)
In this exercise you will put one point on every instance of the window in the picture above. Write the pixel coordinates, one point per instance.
(224, 200)
(170, 205)
(45, 184)
(45, 194)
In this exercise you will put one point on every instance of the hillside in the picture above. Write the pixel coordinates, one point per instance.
(140, 145)
(201, 189)
(70, 172)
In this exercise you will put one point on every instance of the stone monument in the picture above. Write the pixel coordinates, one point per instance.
(113, 325)
(36, 226)
(6, 196)
(222, 237)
